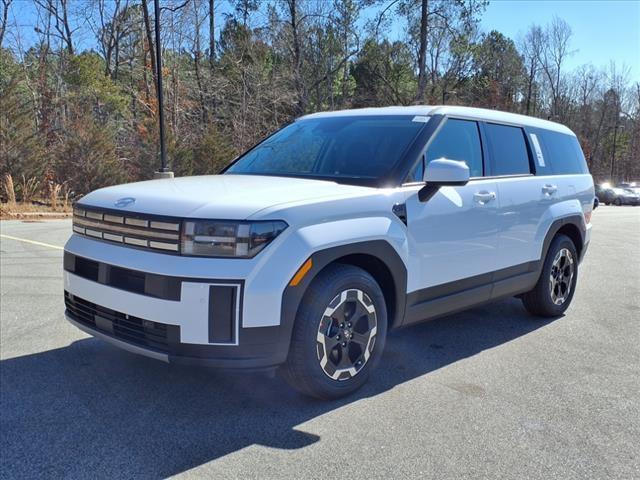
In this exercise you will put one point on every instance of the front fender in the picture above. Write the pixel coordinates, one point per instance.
(380, 237)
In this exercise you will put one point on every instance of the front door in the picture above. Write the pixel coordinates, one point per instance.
(453, 237)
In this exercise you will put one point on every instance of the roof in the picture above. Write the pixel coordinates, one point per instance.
(468, 112)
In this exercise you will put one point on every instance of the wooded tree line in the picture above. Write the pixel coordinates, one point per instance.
(77, 79)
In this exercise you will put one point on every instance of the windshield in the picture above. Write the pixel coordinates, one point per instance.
(362, 147)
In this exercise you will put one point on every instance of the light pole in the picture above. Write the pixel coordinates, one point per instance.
(164, 171)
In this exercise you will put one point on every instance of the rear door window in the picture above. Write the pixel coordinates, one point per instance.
(508, 149)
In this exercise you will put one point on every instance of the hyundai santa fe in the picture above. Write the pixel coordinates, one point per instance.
(307, 249)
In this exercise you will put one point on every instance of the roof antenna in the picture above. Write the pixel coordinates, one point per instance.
(164, 171)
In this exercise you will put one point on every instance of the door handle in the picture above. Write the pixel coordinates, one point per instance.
(484, 197)
(549, 189)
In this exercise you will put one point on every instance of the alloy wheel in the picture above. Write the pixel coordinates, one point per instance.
(346, 334)
(561, 277)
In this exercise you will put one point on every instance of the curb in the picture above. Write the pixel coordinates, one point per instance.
(47, 215)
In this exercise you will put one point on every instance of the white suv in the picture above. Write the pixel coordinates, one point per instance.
(312, 245)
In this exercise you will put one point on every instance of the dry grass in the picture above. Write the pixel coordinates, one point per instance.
(54, 193)
(29, 210)
(32, 198)
(28, 189)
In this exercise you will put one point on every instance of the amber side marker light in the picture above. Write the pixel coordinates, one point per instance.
(302, 271)
(587, 217)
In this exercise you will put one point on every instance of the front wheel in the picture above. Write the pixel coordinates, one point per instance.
(555, 288)
(338, 335)
(617, 202)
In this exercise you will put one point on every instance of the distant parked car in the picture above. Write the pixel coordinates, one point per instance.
(633, 186)
(621, 196)
(616, 195)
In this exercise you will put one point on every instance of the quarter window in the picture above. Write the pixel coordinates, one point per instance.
(565, 153)
(509, 155)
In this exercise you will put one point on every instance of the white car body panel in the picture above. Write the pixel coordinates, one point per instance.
(452, 236)
(215, 196)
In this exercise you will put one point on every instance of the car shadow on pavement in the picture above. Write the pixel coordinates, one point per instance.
(91, 409)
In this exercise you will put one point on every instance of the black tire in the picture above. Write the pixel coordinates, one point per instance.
(540, 300)
(617, 202)
(303, 369)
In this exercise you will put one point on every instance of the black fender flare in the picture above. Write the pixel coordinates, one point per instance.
(380, 249)
(575, 220)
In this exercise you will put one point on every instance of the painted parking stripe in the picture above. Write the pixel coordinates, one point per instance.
(33, 242)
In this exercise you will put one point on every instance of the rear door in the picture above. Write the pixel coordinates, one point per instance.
(523, 197)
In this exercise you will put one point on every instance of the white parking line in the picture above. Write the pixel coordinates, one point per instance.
(33, 242)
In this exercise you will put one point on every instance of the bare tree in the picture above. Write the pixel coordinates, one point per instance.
(294, 23)
(110, 25)
(197, 52)
(3, 18)
(58, 9)
(554, 54)
(531, 47)
(149, 43)
(422, 55)
(212, 35)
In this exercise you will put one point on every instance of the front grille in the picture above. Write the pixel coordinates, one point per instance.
(133, 230)
(130, 329)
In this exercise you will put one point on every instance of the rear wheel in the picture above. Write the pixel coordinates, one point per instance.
(338, 335)
(617, 202)
(554, 291)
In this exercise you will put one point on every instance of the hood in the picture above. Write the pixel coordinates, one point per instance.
(214, 196)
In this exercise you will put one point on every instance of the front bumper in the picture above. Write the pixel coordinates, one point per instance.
(250, 357)
(257, 348)
(173, 318)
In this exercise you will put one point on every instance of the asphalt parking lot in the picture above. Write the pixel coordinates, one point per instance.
(490, 393)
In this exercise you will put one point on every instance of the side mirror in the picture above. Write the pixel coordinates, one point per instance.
(443, 173)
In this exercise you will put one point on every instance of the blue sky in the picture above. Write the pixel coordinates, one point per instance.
(603, 30)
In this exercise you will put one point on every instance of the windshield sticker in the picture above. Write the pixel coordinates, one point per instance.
(420, 118)
(536, 147)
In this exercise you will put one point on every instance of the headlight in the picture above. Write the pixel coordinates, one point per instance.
(221, 238)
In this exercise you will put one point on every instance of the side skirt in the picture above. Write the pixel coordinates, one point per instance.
(440, 300)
